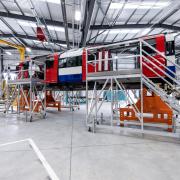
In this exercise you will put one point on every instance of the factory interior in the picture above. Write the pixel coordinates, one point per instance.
(89, 89)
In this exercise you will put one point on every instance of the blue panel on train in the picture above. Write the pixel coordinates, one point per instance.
(173, 69)
(70, 78)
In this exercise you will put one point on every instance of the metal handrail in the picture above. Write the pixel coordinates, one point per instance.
(161, 93)
(158, 52)
(161, 77)
(173, 79)
(159, 63)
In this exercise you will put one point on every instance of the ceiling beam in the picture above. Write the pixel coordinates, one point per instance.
(29, 37)
(170, 14)
(63, 8)
(93, 27)
(33, 19)
(87, 20)
(134, 26)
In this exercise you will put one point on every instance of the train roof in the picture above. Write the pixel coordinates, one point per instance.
(71, 53)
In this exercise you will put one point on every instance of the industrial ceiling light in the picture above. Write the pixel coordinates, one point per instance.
(28, 49)
(56, 28)
(116, 6)
(8, 53)
(77, 15)
(140, 5)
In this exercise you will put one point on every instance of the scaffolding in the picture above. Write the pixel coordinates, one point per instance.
(25, 89)
(131, 81)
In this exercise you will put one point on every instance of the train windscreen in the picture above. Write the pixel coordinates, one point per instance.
(70, 62)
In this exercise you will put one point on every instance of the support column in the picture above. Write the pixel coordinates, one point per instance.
(2, 61)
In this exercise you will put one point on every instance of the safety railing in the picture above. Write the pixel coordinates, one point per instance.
(25, 71)
(113, 64)
(162, 72)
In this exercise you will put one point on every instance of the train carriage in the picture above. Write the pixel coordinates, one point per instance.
(70, 67)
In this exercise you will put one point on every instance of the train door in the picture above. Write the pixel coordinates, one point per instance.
(52, 69)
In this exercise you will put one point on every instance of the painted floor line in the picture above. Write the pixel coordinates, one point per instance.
(40, 156)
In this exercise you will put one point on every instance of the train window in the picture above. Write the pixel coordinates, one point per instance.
(149, 50)
(170, 48)
(62, 63)
(70, 62)
(79, 61)
(49, 64)
(91, 57)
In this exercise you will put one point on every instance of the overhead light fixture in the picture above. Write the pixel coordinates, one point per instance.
(28, 49)
(56, 28)
(32, 24)
(116, 6)
(78, 15)
(8, 53)
(140, 5)
(52, 1)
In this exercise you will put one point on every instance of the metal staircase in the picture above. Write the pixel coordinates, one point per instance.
(165, 83)
(170, 100)
(170, 78)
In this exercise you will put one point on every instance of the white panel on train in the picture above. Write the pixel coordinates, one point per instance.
(106, 62)
(169, 37)
(70, 70)
(72, 53)
(100, 61)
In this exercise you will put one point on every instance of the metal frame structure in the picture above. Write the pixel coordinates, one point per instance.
(26, 92)
(119, 78)
(97, 19)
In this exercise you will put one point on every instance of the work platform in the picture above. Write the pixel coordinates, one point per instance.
(27, 81)
(147, 73)
(123, 75)
(25, 88)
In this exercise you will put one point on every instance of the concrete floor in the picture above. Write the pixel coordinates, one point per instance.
(97, 156)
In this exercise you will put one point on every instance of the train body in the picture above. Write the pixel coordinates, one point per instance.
(70, 67)
(72, 64)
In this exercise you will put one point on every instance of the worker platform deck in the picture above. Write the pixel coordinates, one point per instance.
(125, 75)
(27, 81)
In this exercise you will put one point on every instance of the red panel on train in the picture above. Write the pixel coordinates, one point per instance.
(52, 69)
(159, 44)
